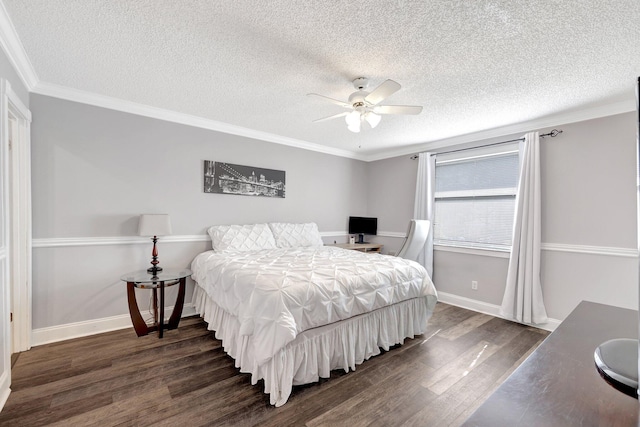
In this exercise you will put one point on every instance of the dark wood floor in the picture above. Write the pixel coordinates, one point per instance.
(185, 379)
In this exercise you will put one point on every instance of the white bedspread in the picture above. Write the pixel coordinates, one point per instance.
(278, 293)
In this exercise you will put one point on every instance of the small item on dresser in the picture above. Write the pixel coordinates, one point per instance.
(352, 240)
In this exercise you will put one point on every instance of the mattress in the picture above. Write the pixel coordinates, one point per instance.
(290, 315)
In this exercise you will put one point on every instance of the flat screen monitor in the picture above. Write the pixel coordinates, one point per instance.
(362, 225)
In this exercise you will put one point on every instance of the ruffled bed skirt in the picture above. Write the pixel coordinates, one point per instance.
(314, 353)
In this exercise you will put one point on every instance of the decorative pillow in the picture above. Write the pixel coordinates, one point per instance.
(225, 238)
(296, 235)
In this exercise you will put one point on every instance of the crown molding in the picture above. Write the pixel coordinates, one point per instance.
(103, 101)
(12, 47)
(523, 127)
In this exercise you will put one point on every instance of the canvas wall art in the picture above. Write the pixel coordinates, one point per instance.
(227, 178)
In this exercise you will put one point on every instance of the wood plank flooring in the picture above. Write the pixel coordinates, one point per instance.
(186, 379)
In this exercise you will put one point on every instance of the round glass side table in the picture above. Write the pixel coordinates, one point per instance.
(158, 281)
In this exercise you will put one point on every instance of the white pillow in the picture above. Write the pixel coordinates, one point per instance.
(225, 238)
(296, 235)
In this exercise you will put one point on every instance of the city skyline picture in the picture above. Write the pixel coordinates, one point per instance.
(228, 178)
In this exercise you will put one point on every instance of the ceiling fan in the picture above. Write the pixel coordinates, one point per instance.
(364, 109)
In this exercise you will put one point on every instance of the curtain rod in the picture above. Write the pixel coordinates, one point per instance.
(552, 134)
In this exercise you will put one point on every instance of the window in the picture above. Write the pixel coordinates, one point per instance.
(475, 198)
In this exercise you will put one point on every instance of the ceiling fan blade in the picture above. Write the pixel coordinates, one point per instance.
(335, 116)
(387, 88)
(397, 109)
(335, 101)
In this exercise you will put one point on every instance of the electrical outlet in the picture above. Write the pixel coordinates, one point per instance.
(474, 285)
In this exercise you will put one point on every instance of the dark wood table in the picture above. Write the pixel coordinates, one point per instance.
(160, 280)
(558, 385)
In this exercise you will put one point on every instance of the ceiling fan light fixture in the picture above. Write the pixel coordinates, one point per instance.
(354, 128)
(365, 106)
(353, 121)
(372, 118)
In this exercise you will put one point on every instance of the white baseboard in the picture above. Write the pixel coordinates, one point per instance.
(97, 326)
(5, 391)
(91, 327)
(486, 308)
(4, 395)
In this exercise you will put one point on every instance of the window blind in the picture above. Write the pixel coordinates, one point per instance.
(475, 199)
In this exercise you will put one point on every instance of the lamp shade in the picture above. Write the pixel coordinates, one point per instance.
(154, 225)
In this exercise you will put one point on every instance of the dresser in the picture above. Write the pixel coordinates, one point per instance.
(558, 384)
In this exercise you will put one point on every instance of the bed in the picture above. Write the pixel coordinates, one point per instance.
(289, 310)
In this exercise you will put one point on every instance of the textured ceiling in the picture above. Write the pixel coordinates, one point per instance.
(473, 65)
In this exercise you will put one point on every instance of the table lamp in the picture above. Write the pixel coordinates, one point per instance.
(154, 225)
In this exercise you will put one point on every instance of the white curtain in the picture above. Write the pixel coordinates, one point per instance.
(522, 299)
(423, 205)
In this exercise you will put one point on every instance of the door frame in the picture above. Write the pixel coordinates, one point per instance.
(19, 210)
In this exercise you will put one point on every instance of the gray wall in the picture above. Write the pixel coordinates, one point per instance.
(95, 170)
(588, 203)
(392, 187)
(589, 182)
